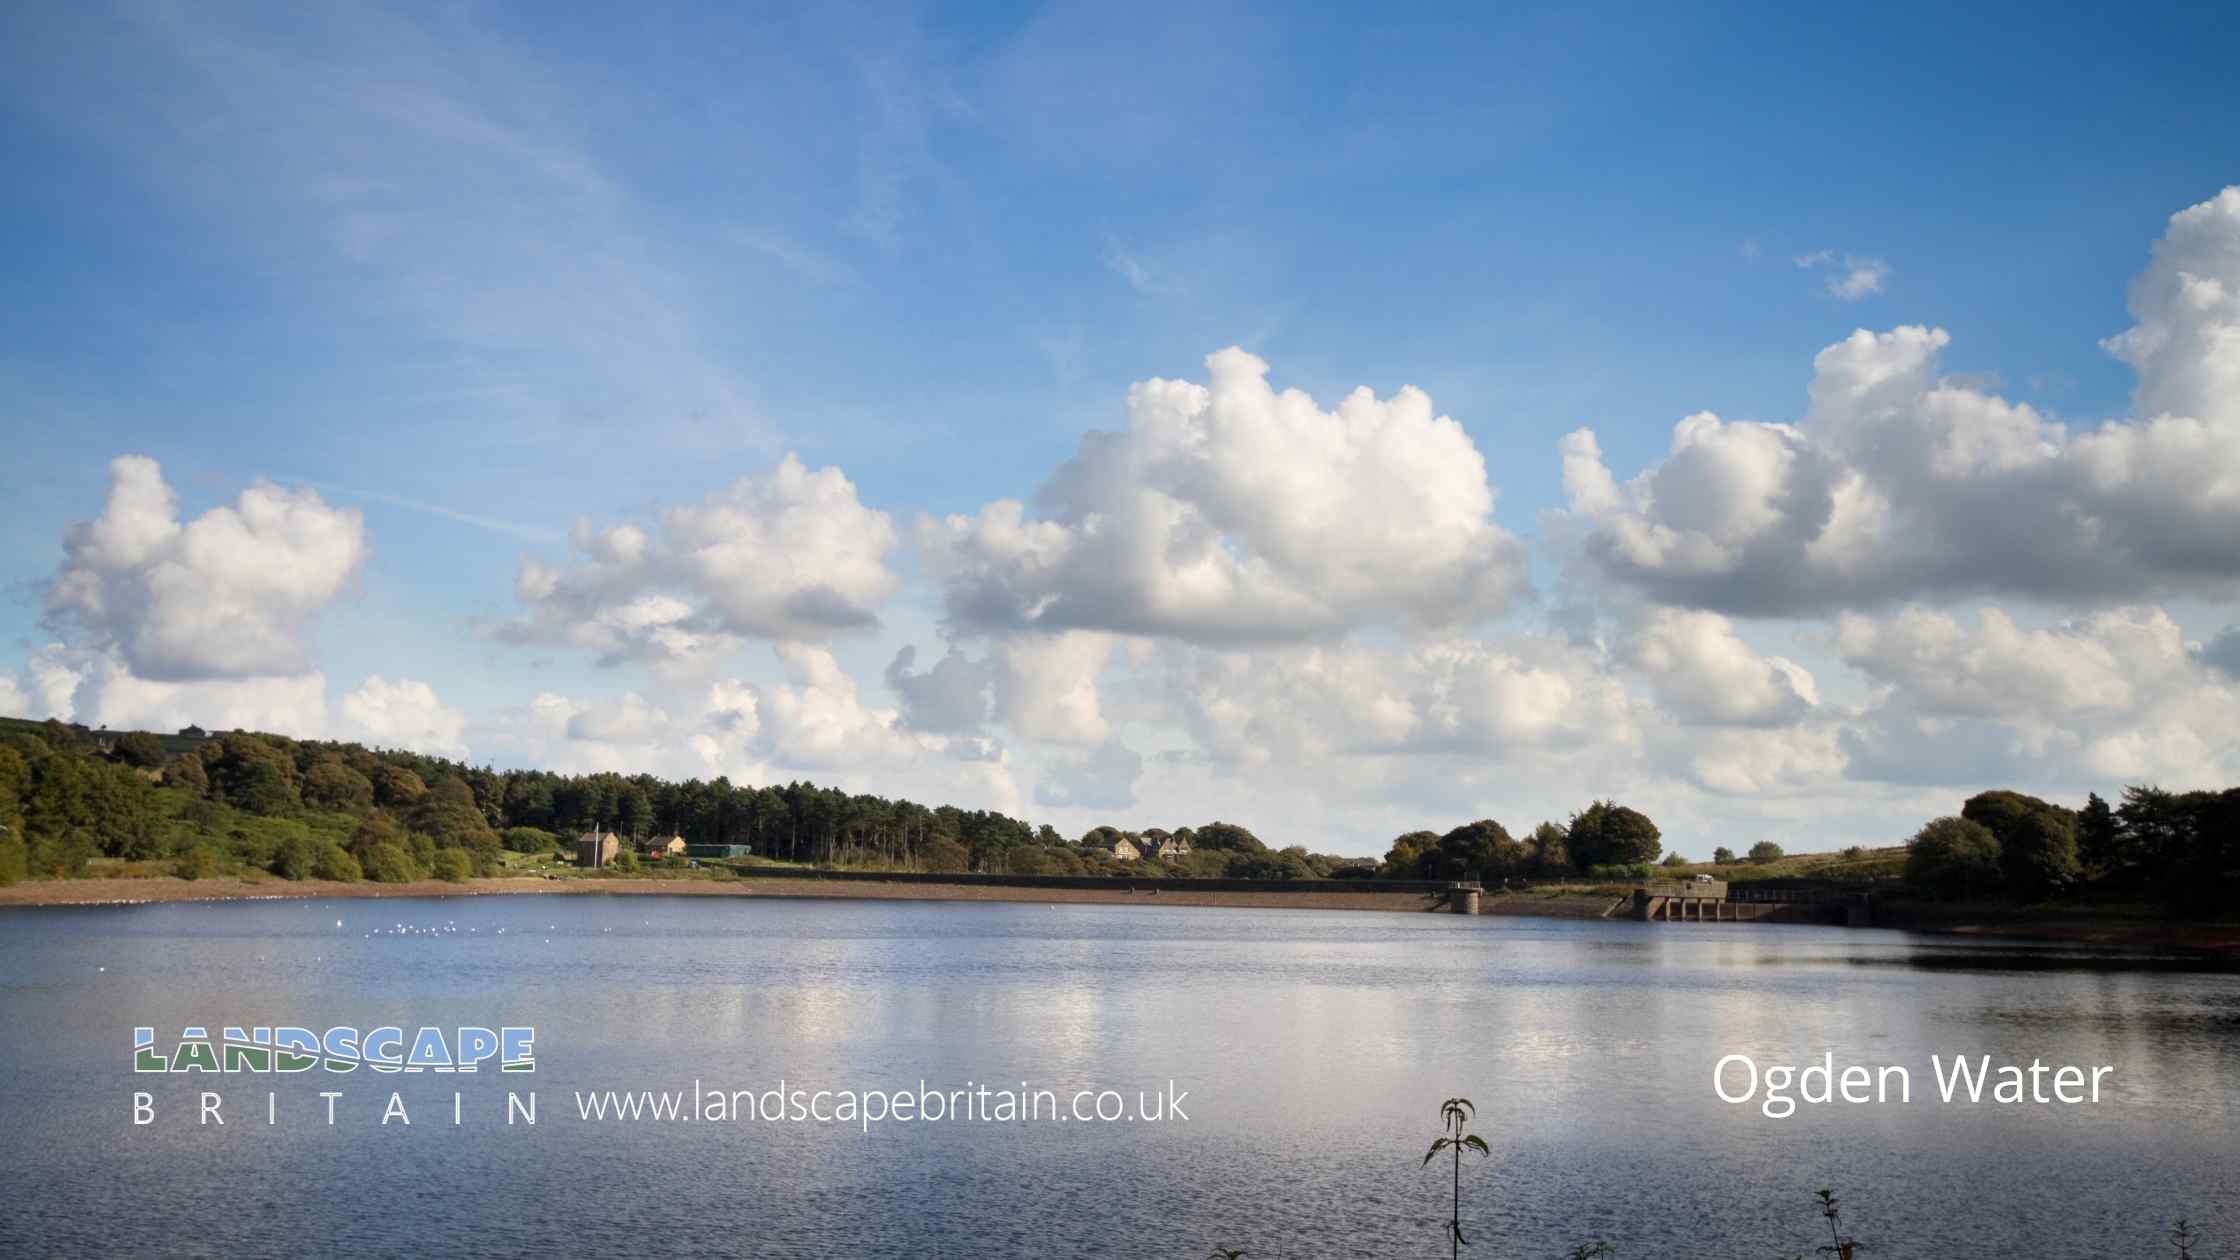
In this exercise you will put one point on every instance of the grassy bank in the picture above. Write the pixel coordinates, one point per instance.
(113, 882)
(119, 888)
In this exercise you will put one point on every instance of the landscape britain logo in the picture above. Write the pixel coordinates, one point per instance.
(286, 1048)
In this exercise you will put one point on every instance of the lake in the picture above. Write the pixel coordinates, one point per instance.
(1314, 1049)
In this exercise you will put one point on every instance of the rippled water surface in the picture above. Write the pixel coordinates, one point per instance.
(1314, 1047)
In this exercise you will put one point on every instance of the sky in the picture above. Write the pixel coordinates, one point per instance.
(1783, 419)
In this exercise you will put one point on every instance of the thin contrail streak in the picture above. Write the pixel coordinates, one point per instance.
(528, 533)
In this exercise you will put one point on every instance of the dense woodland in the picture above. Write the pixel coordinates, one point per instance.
(203, 805)
(312, 809)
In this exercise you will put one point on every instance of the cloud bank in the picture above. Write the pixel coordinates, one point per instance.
(1901, 483)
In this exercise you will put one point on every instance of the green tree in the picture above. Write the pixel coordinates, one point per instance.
(945, 856)
(1765, 851)
(388, 863)
(331, 785)
(1723, 855)
(422, 847)
(59, 817)
(395, 787)
(2039, 855)
(2200, 865)
(15, 783)
(1551, 850)
(199, 862)
(1405, 859)
(125, 824)
(188, 773)
(633, 812)
(15, 858)
(1609, 834)
(1674, 859)
(1221, 835)
(334, 862)
(1481, 850)
(453, 866)
(139, 749)
(2099, 838)
(254, 775)
(297, 858)
(2037, 841)
(375, 828)
(2152, 830)
(1953, 857)
(449, 816)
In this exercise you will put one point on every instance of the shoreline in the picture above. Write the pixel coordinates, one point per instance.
(2211, 939)
(142, 890)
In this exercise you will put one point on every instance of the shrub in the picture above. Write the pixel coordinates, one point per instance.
(1853, 853)
(1674, 859)
(140, 749)
(944, 856)
(1723, 855)
(296, 858)
(530, 840)
(334, 862)
(453, 866)
(187, 773)
(1765, 851)
(386, 862)
(329, 784)
(199, 862)
(1620, 872)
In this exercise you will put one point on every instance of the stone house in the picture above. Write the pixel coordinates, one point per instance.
(1156, 843)
(597, 848)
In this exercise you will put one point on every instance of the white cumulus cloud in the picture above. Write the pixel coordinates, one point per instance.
(1702, 671)
(232, 593)
(1231, 512)
(404, 714)
(789, 554)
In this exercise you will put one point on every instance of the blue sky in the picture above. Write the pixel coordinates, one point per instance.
(477, 272)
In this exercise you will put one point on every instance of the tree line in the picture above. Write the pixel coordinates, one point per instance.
(322, 809)
(1604, 840)
(2181, 849)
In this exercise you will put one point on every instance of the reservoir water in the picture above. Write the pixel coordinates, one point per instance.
(1311, 1050)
